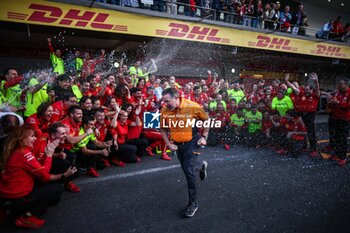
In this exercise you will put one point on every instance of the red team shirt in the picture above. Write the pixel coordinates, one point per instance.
(17, 180)
(40, 126)
(60, 110)
(304, 103)
(341, 111)
(73, 129)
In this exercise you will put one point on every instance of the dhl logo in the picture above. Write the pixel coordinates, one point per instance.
(196, 33)
(53, 15)
(332, 51)
(272, 43)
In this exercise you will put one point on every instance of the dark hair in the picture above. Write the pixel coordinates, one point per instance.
(67, 96)
(99, 110)
(172, 92)
(195, 88)
(87, 118)
(53, 128)
(126, 105)
(7, 70)
(83, 99)
(72, 109)
(134, 90)
(90, 77)
(42, 108)
(163, 81)
(109, 99)
(94, 99)
(9, 124)
(63, 77)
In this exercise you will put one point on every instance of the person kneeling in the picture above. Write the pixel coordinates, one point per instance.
(89, 150)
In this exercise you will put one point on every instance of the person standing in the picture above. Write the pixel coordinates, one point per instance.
(185, 141)
(340, 113)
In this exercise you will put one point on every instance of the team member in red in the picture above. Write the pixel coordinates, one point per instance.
(340, 113)
(21, 169)
(198, 96)
(73, 123)
(106, 129)
(296, 132)
(107, 87)
(60, 160)
(41, 120)
(61, 107)
(150, 100)
(306, 102)
(129, 150)
(94, 88)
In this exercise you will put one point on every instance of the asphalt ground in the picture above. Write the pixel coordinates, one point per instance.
(247, 190)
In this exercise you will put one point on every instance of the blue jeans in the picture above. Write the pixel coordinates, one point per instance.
(187, 154)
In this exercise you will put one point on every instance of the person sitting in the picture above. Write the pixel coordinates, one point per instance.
(20, 170)
(129, 150)
(89, 150)
(294, 139)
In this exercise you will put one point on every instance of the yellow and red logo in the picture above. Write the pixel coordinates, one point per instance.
(272, 43)
(326, 50)
(72, 17)
(197, 33)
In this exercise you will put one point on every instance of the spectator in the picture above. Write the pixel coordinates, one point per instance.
(337, 29)
(258, 14)
(285, 19)
(300, 21)
(324, 33)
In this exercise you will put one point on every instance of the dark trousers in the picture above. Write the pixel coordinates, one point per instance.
(59, 166)
(141, 145)
(90, 161)
(309, 121)
(37, 201)
(187, 154)
(341, 133)
(331, 127)
(128, 151)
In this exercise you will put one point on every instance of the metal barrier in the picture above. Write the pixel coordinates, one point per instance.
(205, 12)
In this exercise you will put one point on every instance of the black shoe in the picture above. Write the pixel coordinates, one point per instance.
(191, 210)
(203, 171)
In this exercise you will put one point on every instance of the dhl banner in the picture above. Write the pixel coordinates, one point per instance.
(80, 17)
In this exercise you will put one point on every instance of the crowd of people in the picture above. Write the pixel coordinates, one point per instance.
(56, 127)
(334, 29)
(250, 13)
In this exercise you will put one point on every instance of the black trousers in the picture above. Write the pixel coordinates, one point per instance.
(341, 133)
(309, 121)
(141, 145)
(331, 127)
(59, 166)
(187, 155)
(90, 161)
(37, 201)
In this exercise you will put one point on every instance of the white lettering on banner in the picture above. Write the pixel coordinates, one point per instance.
(190, 123)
